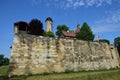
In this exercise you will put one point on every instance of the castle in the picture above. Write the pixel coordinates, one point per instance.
(24, 26)
(31, 54)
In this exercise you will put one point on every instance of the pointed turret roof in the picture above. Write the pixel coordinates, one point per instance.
(49, 18)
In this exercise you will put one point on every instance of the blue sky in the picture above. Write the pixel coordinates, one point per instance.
(103, 16)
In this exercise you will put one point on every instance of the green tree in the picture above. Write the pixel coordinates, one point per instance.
(36, 27)
(85, 33)
(6, 61)
(61, 28)
(117, 43)
(1, 59)
(49, 34)
(104, 40)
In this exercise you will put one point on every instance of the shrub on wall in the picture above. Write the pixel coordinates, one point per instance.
(105, 40)
(117, 44)
(49, 34)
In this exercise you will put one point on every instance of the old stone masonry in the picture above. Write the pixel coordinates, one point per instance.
(32, 54)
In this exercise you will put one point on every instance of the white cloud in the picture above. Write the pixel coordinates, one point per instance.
(110, 23)
(85, 3)
(74, 3)
(111, 17)
(81, 3)
(103, 28)
(97, 3)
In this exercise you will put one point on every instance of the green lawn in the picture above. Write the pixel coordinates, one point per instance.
(97, 75)
(90, 75)
(3, 72)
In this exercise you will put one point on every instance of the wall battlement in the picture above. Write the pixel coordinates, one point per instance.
(38, 54)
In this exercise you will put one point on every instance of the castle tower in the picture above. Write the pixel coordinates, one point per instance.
(49, 22)
(15, 28)
(78, 28)
(78, 25)
(20, 26)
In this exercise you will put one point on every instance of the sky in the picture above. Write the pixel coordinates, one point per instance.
(103, 16)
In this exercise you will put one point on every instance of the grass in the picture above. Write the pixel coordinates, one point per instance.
(3, 72)
(113, 74)
(97, 75)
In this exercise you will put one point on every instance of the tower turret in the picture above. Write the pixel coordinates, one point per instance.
(20, 26)
(49, 22)
(78, 25)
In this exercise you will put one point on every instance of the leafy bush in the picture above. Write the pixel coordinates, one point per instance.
(3, 60)
(49, 34)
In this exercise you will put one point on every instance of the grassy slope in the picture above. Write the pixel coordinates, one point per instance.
(3, 72)
(95, 75)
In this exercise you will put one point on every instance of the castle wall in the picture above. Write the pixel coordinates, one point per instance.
(37, 54)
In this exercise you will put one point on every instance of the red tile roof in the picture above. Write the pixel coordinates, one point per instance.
(68, 34)
(71, 33)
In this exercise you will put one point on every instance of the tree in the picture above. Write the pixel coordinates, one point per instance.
(104, 40)
(61, 28)
(1, 59)
(49, 34)
(117, 43)
(85, 33)
(6, 61)
(36, 27)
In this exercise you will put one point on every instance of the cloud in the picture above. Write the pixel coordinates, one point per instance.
(73, 3)
(110, 23)
(111, 17)
(104, 28)
(85, 3)
(36, 2)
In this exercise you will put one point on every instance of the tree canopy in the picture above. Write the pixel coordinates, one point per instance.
(103, 40)
(61, 28)
(3, 60)
(36, 27)
(85, 33)
(49, 34)
(117, 43)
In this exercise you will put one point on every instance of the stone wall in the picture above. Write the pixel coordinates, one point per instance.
(36, 54)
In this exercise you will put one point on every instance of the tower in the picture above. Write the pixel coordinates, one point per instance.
(49, 22)
(78, 28)
(20, 26)
(78, 25)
